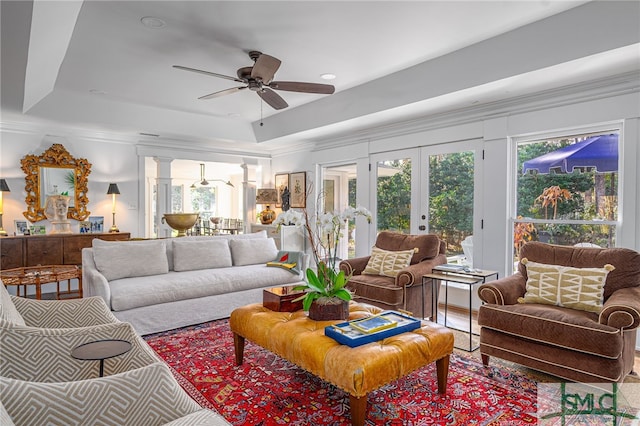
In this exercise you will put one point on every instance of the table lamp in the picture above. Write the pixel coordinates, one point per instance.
(267, 196)
(113, 190)
(3, 188)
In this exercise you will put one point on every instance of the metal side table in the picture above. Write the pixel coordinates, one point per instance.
(465, 276)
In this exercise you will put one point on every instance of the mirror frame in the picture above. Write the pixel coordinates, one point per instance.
(58, 157)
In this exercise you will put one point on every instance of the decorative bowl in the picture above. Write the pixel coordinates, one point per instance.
(180, 221)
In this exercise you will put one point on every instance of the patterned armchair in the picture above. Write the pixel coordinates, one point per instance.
(145, 396)
(37, 338)
(402, 291)
(587, 339)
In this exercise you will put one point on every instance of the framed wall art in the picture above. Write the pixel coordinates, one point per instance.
(298, 189)
(96, 224)
(282, 182)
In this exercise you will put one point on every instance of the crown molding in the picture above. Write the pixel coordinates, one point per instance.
(566, 95)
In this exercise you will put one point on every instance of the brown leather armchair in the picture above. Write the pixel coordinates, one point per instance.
(405, 290)
(573, 344)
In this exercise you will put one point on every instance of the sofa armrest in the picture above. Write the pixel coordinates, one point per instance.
(412, 273)
(504, 291)
(70, 313)
(44, 354)
(93, 282)
(147, 395)
(354, 266)
(622, 309)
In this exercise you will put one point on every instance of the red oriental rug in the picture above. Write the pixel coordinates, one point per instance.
(268, 390)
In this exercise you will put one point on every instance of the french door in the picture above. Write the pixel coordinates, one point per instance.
(427, 190)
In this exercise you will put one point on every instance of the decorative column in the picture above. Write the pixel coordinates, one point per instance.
(163, 195)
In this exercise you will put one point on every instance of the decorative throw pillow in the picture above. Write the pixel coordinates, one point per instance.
(575, 288)
(387, 263)
(123, 259)
(289, 260)
(252, 251)
(189, 255)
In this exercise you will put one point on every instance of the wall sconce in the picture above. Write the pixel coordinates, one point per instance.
(3, 188)
(267, 196)
(113, 190)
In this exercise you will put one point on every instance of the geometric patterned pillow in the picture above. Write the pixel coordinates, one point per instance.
(387, 263)
(575, 288)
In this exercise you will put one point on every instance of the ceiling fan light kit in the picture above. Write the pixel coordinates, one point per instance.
(259, 79)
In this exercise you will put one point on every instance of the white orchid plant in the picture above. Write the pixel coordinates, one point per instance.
(324, 231)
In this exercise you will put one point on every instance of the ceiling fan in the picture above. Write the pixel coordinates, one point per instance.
(259, 78)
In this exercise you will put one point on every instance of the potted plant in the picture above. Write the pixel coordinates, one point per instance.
(326, 296)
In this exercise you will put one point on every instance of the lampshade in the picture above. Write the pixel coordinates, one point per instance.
(266, 196)
(113, 189)
(3, 186)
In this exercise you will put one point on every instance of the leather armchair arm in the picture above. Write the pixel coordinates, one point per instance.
(412, 273)
(504, 291)
(622, 309)
(354, 266)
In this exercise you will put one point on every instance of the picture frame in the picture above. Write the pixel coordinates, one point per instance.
(38, 230)
(282, 181)
(298, 189)
(85, 227)
(96, 224)
(22, 227)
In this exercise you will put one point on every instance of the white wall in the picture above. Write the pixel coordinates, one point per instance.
(110, 163)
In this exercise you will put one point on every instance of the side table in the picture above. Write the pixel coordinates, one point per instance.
(38, 275)
(101, 350)
(468, 277)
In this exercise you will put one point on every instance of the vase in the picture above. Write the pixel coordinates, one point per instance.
(327, 309)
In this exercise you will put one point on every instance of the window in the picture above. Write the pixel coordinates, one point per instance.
(567, 190)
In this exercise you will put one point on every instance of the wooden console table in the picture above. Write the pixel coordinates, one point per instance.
(54, 249)
(38, 275)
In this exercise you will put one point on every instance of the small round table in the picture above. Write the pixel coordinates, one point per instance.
(101, 350)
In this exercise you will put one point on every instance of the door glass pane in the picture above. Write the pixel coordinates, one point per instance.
(394, 195)
(451, 202)
(339, 192)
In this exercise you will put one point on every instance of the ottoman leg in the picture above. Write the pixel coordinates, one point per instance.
(238, 345)
(358, 409)
(442, 367)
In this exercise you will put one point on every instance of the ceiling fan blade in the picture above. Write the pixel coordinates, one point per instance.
(265, 68)
(297, 86)
(213, 74)
(272, 98)
(222, 93)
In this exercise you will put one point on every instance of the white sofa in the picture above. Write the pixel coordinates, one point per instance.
(162, 284)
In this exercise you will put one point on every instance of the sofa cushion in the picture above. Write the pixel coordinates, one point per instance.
(122, 259)
(189, 255)
(554, 325)
(8, 311)
(130, 293)
(252, 251)
(575, 288)
(387, 263)
(428, 246)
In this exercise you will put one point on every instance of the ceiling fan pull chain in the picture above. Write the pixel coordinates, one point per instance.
(261, 103)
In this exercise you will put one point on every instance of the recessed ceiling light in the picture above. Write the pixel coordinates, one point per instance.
(233, 115)
(153, 23)
(327, 76)
(97, 92)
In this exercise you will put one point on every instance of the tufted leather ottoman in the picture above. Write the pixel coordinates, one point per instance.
(357, 371)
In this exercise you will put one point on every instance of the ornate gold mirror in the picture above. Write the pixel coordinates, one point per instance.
(56, 172)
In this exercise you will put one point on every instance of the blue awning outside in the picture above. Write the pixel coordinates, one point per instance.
(599, 153)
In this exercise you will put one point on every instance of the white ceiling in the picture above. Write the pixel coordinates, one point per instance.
(92, 66)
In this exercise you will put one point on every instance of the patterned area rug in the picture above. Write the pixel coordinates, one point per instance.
(267, 390)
